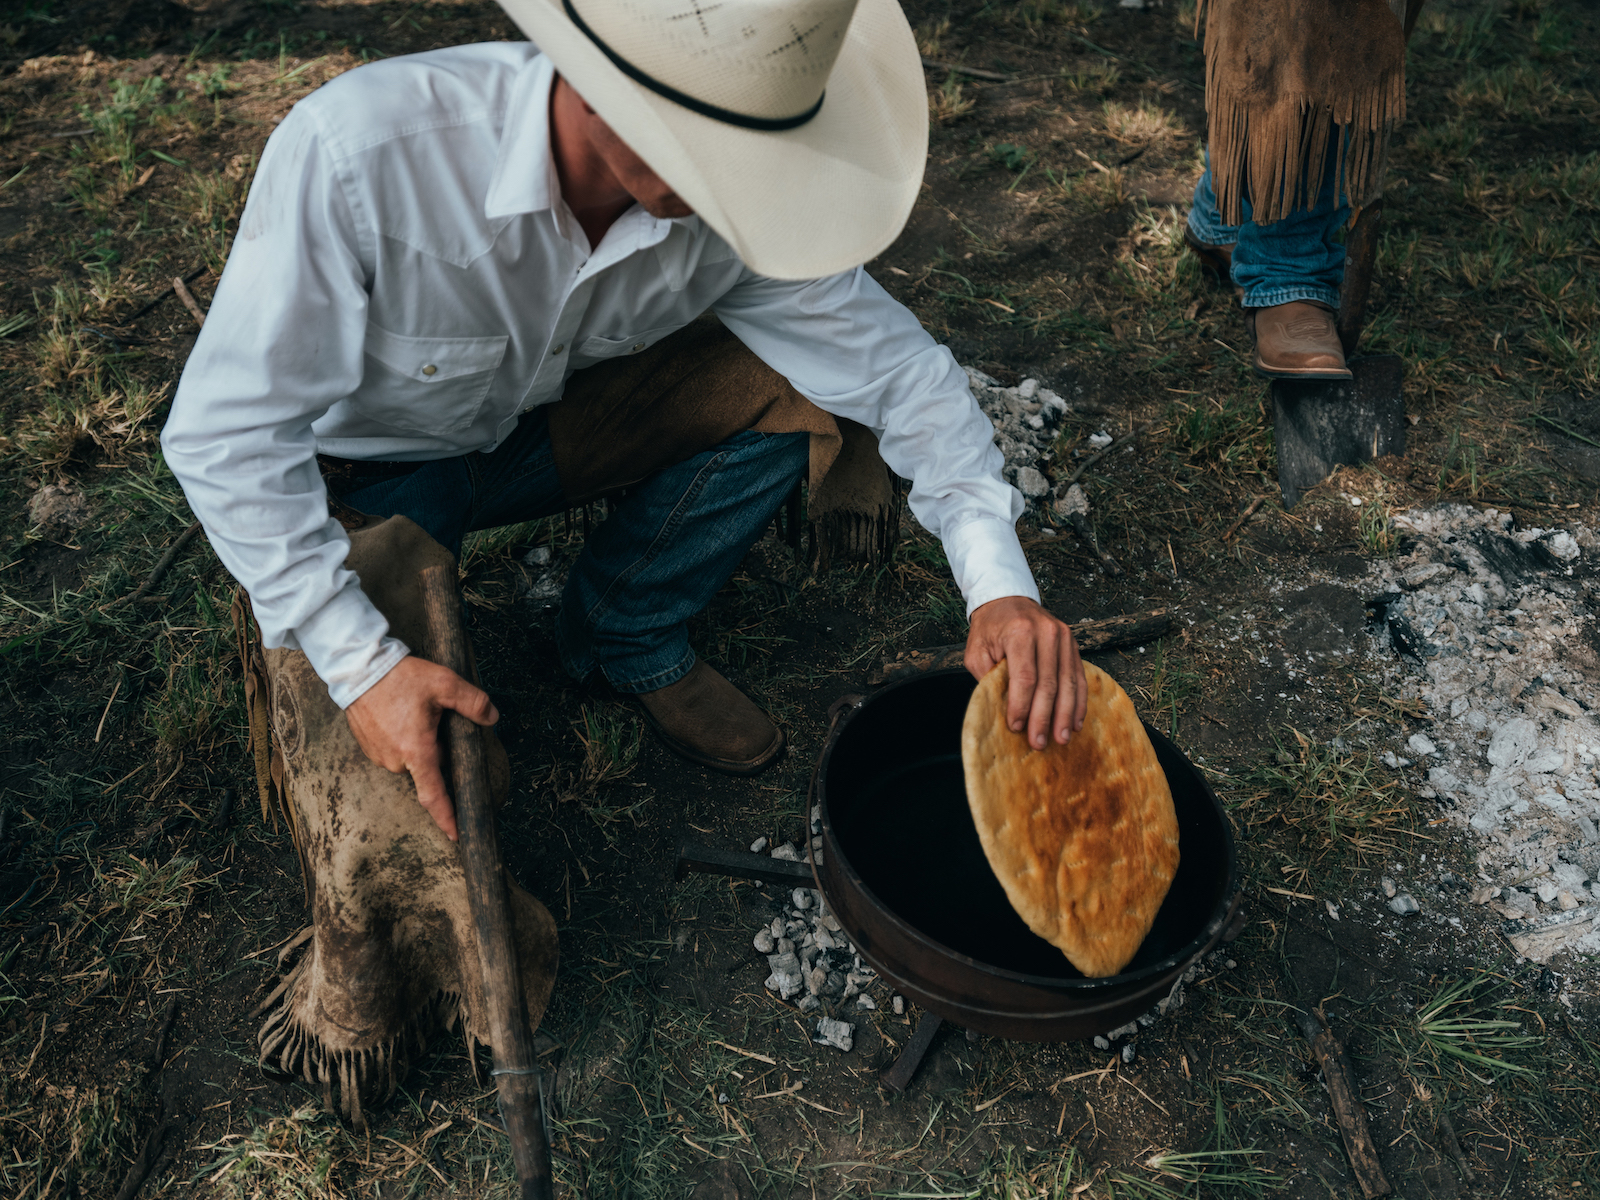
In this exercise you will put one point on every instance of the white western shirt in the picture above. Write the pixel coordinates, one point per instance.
(407, 281)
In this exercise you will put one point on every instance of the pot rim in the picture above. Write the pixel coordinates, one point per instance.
(1171, 964)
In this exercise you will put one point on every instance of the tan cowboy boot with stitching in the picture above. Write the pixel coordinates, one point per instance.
(707, 720)
(1298, 340)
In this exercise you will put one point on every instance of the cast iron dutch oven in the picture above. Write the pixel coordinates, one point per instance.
(905, 875)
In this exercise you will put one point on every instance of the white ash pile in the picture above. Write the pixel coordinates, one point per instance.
(1124, 1037)
(811, 960)
(1500, 624)
(1026, 419)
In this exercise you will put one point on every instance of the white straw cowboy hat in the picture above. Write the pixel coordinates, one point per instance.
(797, 129)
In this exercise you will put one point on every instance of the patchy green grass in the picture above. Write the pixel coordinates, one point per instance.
(1055, 259)
(1468, 1027)
(1334, 801)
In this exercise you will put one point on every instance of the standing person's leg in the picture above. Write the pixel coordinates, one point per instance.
(669, 544)
(1290, 271)
(1210, 237)
(1297, 258)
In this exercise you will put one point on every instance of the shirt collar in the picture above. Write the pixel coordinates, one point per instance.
(524, 178)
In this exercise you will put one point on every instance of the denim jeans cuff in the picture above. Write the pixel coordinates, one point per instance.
(633, 676)
(1269, 297)
(1210, 233)
(636, 673)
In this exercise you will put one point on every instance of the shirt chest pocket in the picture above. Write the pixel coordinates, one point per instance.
(429, 385)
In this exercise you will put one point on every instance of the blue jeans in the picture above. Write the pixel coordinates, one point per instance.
(1296, 258)
(667, 546)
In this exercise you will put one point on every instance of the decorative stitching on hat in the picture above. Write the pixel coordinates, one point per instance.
(727, 116)
(698, 13)
(799, 39)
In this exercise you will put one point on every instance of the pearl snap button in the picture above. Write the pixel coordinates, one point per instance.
(430, 369)
(637, 346)
(559, 348)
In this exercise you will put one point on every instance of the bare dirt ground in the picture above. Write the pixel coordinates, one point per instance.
(143, 894)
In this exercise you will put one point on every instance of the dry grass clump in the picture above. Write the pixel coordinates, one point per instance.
(56, 1133)
(110, 412)
(210, 204)
(1336, 800)
(1098, 76)
(946, 103)
(301, 1156)
(1153, 251)
(85, 402)
(1141, 123)
(1513, 91)
(930, 37)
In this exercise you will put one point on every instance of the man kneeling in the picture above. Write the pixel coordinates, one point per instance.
(464, 278)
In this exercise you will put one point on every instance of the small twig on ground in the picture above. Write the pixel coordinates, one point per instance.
(100, 728)
(975, 72)
(1099, 454)
(1344, 1094)
(1244, 516)
(182, 289)
(158, 1056)
(1453, 1144)
(159, 571)
(164, 293)
(1085, 531)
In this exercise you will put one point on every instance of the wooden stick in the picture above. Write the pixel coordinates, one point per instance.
(1340, 1079)
(1243, 517)
(516, 1072)
(1099, 454)
(1453, 1144)
(1360, 254)
(146, 1161)
(975, 72)
(1085, 531)
(163, 565)
(1111, 633)
(164, 293)
(182, 288)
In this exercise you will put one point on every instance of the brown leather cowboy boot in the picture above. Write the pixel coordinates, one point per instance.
(707, 720)
(1298, 340)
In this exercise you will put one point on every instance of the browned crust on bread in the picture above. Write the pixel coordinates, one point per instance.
(1083, 837)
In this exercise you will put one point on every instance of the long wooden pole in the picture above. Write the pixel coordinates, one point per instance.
(516, 1073)
(1360, 255)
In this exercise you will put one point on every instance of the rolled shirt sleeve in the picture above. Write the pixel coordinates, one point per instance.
(853, 350)
(283, 341)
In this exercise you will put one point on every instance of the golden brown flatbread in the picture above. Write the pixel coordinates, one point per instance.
(1083, 837)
